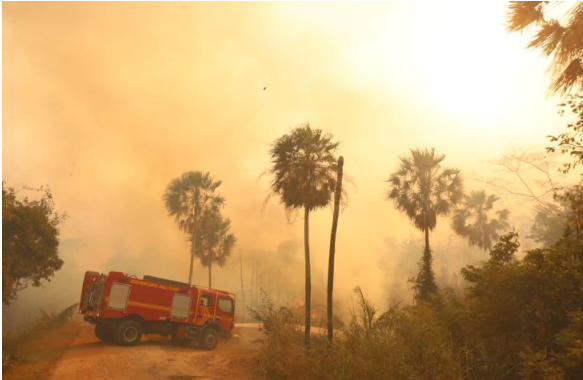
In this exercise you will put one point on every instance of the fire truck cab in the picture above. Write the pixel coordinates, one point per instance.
(123, 307)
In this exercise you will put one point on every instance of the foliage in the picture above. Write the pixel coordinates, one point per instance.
(494, 305)
(282, 354)
(472, 220)
(573, 197)
(13, 341)
(556, 37)
(548, 225)
(30, 245)
(424, 284)
(570, 342)
(52, 320)
(518, 309)
(303, 175)
(215, 244)
(366, 311)
(188, 198)
(423, 190)
(571, 141)
(303, 172)
(401, 344)
(520, 319)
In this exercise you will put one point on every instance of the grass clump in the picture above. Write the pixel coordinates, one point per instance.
(30, 353)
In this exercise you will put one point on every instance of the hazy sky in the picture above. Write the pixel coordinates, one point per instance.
(108, 102)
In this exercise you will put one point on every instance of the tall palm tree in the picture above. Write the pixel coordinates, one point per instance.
(303, 175)
(558, 35)
(423, 190)
(473, 221)
(337, 196)
(215, 244)
(188, 198)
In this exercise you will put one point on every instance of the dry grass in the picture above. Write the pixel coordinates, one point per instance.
(32, 353)
(401, 344)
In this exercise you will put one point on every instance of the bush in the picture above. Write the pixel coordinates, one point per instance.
(12, 341)
(408, 343)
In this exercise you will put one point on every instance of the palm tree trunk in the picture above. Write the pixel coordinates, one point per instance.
(333, 249)
(308, 276)
(210, 277)
(427, 239)
(426, 285)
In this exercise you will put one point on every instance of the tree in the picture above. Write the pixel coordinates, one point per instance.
(303, 176)
(188, 198)
(423, 190)
(571, 141)
(523, 175)
(521, 314)
(30, 241)
(330, 289)
(549, 220)
(573, 197)
(472, 220)
(556, 37)
(215, 244)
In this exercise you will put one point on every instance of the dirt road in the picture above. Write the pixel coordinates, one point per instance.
(158, 358)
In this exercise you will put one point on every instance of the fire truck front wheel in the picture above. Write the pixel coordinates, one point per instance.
(128, 333)
(209, 339)
(103, 333)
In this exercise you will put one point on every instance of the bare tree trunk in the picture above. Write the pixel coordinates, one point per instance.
(308, 305)
(337, 195)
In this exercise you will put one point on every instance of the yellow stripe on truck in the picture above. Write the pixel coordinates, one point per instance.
(148, 306)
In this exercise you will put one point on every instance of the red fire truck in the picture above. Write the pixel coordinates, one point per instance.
(123, 307)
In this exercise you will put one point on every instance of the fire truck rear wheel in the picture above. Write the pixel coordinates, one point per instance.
(128, 333)
(209, 339)
(103, 333)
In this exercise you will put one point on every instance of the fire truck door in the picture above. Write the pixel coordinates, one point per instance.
(204, 311)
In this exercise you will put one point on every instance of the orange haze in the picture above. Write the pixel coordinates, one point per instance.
(107, 102)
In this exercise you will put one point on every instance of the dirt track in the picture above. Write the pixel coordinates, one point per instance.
(158, 358)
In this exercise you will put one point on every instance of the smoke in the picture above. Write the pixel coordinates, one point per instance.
(108, 102)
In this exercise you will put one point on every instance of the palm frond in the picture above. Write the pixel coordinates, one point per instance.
(303, 168)
(523, 13)
(548, 37)
(422, 189)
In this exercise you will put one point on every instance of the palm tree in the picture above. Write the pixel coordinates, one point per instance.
(303, 176)
(559, 38)
(337, 195)
(215, 244)
(422, 189)
(472, 220)
(188, 198)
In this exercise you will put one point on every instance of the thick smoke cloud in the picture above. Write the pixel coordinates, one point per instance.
(108, 102)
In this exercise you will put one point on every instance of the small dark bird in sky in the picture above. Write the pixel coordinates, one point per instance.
(264, 88)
